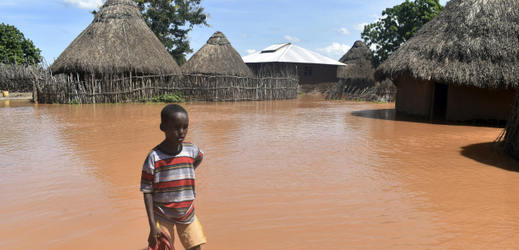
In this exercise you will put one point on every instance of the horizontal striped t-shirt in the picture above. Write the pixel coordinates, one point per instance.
(171, 180)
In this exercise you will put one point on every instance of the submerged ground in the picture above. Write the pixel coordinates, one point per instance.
(289, 174)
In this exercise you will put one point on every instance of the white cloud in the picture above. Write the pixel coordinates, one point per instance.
(244, 35)
(250, 51)
(335, 49)
(343, 31)
(7, 3)
(85, 4)
(292, 39)
(360, 26)
(376, 16)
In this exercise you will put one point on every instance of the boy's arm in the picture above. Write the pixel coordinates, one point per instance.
(154, 231)
(198, 161)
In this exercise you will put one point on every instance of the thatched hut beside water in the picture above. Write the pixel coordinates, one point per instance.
(117, 42)
(217, 57)
(358, 71)
(462, 65)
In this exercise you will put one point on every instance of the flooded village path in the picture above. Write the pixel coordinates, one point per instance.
(290, 174)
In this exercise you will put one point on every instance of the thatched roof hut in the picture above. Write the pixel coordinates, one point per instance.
(217, 57)
(358, 70)
(117, 41)
(355, 80)
(461, 65)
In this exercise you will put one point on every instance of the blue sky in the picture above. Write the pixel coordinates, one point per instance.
(328, 27)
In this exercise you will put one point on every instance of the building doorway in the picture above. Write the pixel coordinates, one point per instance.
(440, 101)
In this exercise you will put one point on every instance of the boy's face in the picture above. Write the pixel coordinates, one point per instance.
(175, 128)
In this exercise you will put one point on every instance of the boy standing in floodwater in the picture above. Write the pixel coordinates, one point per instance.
(168, 182)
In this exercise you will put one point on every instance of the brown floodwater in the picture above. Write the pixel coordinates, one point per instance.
(289, 174)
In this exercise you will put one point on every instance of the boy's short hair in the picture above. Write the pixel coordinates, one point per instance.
(169, 110)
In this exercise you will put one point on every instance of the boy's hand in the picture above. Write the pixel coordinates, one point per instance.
(154, 235)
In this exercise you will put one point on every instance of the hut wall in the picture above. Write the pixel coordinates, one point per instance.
(413, 97)
(472, 103)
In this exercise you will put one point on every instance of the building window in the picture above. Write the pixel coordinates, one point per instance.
(308, 71)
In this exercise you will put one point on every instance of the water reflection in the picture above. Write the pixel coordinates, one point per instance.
(385, 114)
(390, 114)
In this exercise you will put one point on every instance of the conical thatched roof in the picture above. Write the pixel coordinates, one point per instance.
(217, 57)
(357, 61)
(470, 42)
(117, 41)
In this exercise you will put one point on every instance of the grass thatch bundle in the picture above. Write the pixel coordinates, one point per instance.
(217, 57)
(470, 42)
(117, 41)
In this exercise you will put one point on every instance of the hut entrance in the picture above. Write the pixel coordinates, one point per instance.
(439, 109)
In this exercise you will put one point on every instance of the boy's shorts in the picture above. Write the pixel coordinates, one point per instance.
(190, 235)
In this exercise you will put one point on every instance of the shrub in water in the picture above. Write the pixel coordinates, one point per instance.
(175, 97)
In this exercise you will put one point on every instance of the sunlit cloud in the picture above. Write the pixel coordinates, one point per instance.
(250, 51)
(244, 35)
(10, 3)
(335, 49)
(376, 16)
(292, 39)
(343, 31)
(360, 26)
(84, 4)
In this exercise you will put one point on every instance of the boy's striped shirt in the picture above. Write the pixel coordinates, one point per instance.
(171, 180)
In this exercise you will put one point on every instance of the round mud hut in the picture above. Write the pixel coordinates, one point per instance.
(358, 72)
(117, 42)
(217, 57)
(460, 66)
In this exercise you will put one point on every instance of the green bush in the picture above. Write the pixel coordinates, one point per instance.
(174, 97)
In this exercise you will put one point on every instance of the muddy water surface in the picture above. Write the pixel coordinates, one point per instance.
(291, 174)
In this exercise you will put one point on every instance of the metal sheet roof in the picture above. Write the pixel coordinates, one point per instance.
(287, 52)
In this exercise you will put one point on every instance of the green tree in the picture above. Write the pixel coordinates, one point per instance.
(15, 47)
(171, 21)
(397, 25)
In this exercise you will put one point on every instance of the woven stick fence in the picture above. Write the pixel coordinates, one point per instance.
(19, 78)
(67, 89)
